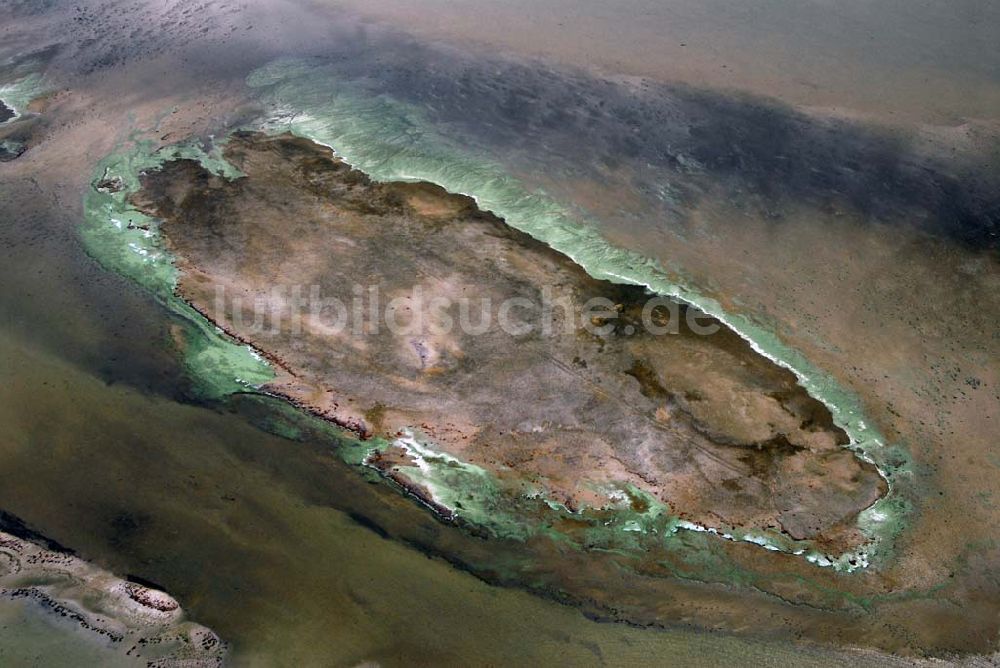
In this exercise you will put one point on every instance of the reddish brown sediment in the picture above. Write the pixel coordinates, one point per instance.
(721, 434)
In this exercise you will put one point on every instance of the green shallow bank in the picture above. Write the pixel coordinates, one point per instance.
(126, 241)
(17, 93)
(391, 141)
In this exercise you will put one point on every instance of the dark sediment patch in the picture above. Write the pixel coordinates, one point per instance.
(368, 523)
(15, 526)
(6, 113)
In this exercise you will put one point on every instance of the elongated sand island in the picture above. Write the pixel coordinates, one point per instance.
(573, 408)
